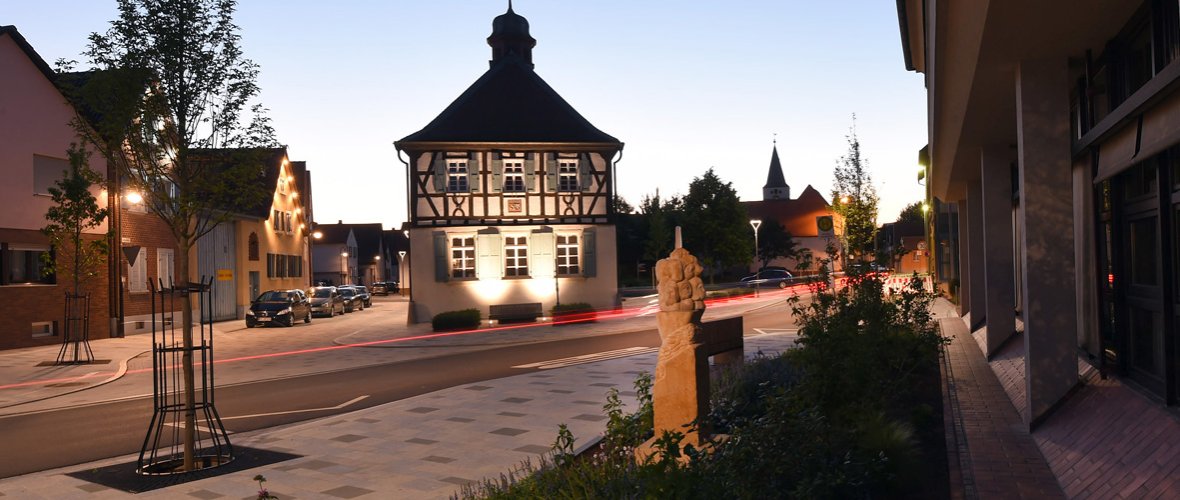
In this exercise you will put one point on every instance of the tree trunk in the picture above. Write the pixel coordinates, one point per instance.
(190, 406)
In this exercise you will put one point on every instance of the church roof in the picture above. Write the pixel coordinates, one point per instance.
(510, 102)
(775, 178)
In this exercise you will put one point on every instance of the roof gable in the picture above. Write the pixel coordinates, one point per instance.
(510, 103)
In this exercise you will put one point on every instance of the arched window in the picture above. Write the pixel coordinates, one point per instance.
(253, 246)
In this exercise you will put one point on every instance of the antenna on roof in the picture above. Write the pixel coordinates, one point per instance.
(773, 141)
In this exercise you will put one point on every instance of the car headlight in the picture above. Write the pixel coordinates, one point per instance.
(249, 312)
(284, 311)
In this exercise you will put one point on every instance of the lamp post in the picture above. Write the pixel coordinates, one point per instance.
(343, 268)
(756, 223)
(401, 266)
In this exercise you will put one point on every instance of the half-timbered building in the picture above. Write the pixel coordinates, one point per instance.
(510, 194)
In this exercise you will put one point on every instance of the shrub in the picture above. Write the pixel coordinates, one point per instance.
(453, 320)
(573, 311)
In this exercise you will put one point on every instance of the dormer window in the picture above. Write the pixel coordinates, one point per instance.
(457, 175)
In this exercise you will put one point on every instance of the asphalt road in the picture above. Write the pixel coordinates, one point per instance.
(61, 437)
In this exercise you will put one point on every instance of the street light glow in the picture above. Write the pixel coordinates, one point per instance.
(134, 197)
(344, 254)
(317, 235)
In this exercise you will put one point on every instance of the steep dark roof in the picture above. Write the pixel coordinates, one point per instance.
(775, 178)
(510, 103)
(368, 241)
(270, 161)
(333, 233)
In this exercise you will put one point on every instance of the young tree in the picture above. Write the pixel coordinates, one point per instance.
(716, 227)
(855, 199)
(171, 80)
(774, 241)
(75, 211)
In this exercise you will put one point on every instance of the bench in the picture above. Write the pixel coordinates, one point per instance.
(528, 311)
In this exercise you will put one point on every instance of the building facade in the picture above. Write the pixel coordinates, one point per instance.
(511, 194)
(35, 134)
(1052, 131)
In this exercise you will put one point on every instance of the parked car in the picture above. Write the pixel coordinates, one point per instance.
(352, 302)
(326, 301)
(868, 268)
(379, 288)
(767, 278)
(278, 307)
(363, 293)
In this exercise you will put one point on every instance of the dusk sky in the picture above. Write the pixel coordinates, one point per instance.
(685, 85)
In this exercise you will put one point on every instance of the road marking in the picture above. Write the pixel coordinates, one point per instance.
(589, 358)
(290, 412)
(776, 331)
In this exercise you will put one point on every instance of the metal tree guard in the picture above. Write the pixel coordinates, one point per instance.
(75, 340)
(163, 447)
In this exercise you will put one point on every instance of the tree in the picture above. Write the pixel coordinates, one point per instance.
(171, 81)
(662, 217)
(911, 213)
(622, 207)
(716, 227)
(774, 241)
(855, 199)
(74, 212)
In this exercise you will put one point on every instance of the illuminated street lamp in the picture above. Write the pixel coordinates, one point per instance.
(401, 284)
(343, 268)
(756, 223)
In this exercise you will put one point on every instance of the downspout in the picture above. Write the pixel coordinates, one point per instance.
(410, 317)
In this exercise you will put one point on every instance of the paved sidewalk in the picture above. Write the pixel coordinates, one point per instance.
(421, 447)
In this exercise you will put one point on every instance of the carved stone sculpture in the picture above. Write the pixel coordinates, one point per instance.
(681, 392)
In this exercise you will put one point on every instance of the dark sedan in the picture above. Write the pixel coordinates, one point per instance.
(770, 277)
(363, 293)
(326, 301)
(352, 301)
(278, 307)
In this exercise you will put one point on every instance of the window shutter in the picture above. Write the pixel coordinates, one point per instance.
(585, 171)
(488, 249)
(589, 243)
(442, 266)
(439, 161)
(530, 171)
(473, 172)
(270, 265)
(541, 264)
(551, 172)
(497, 173)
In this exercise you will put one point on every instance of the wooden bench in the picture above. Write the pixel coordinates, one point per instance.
(528, 311)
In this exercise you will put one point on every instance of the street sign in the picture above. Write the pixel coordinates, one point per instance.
(824, 226)
(225, 275)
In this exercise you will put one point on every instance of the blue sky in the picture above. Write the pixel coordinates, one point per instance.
(686, 85)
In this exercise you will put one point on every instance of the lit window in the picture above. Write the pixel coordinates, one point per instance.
(567, 255)
(456, 176)
(513, 176)
(24, 264)
(463, 257)
(567, 175)
(516, 256)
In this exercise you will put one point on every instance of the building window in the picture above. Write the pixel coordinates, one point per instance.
(456, 176)
(165, 269)
(46, 172)
(514, 176)
(43, 329)
(137, 278)
(516, 256)
(23, 265)
(567, 255)
(253, 246)
(463, 257)
(277, 221)
(567, 175)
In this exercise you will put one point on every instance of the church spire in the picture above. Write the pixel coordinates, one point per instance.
(510, 35)
(776, 187)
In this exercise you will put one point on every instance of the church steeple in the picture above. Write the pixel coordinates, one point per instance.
(776, 187)
(510, 35)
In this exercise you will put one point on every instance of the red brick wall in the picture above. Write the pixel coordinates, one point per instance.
(148, 231)
(27, 304)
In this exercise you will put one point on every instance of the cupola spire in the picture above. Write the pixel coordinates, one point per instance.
(510, 36)
(776, 187)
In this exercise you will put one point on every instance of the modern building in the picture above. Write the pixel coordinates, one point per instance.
(1052, 129)
(511, 194)
(35, 134)
(798, 216)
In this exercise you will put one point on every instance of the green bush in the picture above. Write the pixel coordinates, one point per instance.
(454, 320)
(573, 311)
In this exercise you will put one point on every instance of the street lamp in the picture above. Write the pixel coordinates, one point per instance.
(343, 267)
(756, 223)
